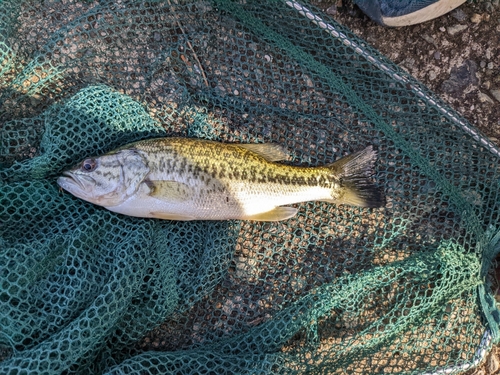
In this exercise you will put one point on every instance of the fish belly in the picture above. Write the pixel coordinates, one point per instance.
(260, 199)
(238, 201)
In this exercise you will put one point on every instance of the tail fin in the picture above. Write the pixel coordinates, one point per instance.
(355, 172)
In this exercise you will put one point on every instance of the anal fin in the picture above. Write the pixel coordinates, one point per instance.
(167, 216)
(276, 214)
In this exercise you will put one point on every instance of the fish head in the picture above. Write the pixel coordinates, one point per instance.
(108, 180)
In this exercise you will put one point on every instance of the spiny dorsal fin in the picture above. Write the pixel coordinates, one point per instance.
(269, 151)
(276, 214)
(168, 190)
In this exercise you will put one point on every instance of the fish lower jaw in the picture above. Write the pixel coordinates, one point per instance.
(71, 186)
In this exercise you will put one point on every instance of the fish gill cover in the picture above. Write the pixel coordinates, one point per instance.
(400, 289)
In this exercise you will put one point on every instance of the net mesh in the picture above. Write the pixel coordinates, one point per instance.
(401, 289)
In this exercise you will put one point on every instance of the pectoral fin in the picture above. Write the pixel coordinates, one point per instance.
(269, 151)
(277, 214)
(167, 216)
(171, 191)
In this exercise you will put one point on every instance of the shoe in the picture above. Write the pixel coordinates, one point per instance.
(405, 12)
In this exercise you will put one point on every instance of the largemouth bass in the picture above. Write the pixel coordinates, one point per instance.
(192, 179)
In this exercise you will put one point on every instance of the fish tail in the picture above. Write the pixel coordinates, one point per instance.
(355, 172)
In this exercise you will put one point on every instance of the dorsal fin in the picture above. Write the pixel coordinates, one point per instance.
(269, 151)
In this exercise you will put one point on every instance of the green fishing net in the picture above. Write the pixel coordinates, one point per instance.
(403, 289)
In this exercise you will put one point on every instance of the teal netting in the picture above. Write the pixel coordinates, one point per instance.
(336, 289)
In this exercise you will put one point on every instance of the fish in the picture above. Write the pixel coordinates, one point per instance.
(175, 178)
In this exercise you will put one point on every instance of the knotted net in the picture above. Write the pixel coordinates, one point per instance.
(336, 289)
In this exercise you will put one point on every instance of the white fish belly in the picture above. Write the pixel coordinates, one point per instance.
(238, 201)
(263, 199)
(146, 206)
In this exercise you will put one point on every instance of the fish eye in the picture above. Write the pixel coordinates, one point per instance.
(88, 165)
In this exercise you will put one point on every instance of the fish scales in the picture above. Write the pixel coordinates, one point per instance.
(214, 167)
(189, 179)
(236, 164)
(229, 169)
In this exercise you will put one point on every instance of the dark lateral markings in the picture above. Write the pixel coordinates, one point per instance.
(252, 174)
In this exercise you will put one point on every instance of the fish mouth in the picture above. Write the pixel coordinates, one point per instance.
(75, 184)
(69, 179)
